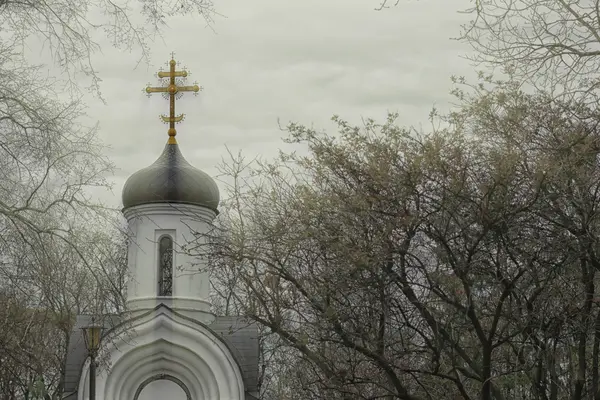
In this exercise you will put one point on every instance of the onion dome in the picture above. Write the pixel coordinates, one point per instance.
(171, 179)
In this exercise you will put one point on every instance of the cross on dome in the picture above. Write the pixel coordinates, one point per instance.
(171, 90)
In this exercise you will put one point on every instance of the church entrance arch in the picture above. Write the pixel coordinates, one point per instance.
(160, 377)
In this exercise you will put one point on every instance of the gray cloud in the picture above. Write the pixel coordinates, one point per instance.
(295, 60)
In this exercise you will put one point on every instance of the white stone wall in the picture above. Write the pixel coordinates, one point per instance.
(162, 342)
(191, 285)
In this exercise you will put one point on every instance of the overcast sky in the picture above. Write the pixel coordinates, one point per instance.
(296, 60)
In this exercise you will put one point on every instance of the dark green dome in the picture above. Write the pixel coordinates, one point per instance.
(171, 179)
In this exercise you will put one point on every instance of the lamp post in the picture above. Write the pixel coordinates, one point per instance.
(92, 335)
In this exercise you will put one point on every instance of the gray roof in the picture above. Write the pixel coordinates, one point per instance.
(171, 179)
(77, 353)
(239, 335)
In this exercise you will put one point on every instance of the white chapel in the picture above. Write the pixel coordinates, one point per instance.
(168, 344)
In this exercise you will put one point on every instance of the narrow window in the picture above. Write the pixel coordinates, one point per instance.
(165, 266)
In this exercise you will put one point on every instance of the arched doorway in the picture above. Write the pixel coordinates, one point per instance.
(162, 386)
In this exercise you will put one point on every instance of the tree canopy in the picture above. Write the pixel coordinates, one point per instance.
(549, 44)
(454, 264)
(61, 250)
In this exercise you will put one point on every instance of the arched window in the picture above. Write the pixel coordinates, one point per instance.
(172, 388)
(165, 266)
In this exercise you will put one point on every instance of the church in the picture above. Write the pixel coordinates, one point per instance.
(168, 344)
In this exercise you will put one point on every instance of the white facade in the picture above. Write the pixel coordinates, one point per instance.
(172, 347)
(191, 284)
(162, 347)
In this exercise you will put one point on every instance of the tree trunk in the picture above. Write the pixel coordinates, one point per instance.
(595, 354)
(486, 372)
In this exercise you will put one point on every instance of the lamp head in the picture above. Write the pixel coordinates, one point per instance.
(92, 334)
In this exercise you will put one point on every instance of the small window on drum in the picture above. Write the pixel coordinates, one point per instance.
(165, 266)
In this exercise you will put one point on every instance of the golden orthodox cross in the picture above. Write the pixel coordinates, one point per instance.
(171, 90)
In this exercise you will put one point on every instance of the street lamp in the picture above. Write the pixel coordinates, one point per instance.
(92, 334)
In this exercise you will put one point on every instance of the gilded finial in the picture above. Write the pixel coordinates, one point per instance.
(171, 90)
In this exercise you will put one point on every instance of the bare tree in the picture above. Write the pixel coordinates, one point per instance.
(550, 44)
(54, 253)
(44, 289)
(27, 345)
(458, 264)
(58, 253)
(61, 252)
(71, 30)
